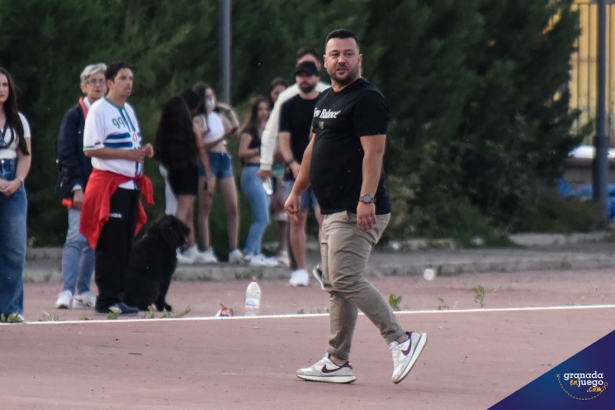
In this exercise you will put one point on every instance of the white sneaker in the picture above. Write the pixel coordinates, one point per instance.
(327, 371)
(84, 300)
(261, 260)
(207, 256)
(236, 257)
(405, 354)
(184, 258)
(283, 259)
(299, 277)
(65, 300)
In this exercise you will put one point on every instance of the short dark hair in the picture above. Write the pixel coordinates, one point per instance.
(276, 82)
(115, 68)
(308, 50)
(342, 33)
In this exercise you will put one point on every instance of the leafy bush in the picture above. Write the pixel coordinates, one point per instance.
(544, 210)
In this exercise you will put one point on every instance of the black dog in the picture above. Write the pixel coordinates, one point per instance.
(152, 263)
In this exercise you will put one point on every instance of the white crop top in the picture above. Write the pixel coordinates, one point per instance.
(11, 150)
(216, 128)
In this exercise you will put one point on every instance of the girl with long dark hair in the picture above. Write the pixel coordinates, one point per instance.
(179, 148)
(251, 184)
(15, 162)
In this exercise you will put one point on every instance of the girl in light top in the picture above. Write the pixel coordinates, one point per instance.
(251, 184)
(15, 162)
(216, 129)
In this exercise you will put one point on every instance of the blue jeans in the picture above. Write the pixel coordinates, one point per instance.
(13, 237)
(252, 186)
(77, 257)
(220, 163)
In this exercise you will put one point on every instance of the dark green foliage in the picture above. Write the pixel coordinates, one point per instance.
(544, 210)
(481, 107)
(477, 90)
(517, 125)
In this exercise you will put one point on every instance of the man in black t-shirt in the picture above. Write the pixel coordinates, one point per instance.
(343, 164)
(295, 124)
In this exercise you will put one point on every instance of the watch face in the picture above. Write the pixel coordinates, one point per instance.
(367, 199)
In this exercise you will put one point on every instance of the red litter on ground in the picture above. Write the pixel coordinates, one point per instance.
(224, 311)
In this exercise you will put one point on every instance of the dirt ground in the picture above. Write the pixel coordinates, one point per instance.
(501, 290)
(474, 358)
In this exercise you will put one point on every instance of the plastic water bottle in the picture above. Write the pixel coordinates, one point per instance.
(253, 298)
(268, 186)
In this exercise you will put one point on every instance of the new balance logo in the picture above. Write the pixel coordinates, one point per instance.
(326, 113)
(115, 215)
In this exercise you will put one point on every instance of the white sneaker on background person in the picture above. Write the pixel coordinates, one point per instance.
(184, 258)
(261, 260)
(65, 300)
(300, 277)
(207, 257)
(236, 257)
(84, 300)
(283, 259)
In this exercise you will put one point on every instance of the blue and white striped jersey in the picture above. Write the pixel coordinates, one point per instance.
(108, 125)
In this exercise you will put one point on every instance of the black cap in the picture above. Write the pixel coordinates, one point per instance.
(308, 67)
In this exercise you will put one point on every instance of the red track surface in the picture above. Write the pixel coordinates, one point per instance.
(472, 360)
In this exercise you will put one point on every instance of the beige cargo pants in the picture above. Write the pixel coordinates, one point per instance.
(345, 251)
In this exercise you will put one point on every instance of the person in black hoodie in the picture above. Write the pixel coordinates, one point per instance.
(75, 169)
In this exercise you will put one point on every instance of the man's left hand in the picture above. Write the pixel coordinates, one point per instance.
(78, 198)
(366, 216)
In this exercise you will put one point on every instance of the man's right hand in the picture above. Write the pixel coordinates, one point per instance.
(292, 206)
(263, 174)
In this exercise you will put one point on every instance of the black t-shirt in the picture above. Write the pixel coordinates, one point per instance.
(296, 117)
(336, 169)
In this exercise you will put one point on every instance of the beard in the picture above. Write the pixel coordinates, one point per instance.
(351, 76)
(307, 88)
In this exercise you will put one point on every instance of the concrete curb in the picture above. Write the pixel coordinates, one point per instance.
(521, 239)
(533, 239)
(408, 258)
(445, 262)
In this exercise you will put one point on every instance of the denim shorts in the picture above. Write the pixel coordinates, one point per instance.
(306, 196)
(221, 165)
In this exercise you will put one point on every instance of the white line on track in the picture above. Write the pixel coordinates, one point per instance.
(310, 315)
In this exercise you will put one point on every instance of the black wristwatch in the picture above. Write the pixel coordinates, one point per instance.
(367, 199)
